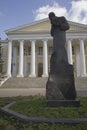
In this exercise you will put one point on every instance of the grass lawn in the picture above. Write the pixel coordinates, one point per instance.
(36, 106)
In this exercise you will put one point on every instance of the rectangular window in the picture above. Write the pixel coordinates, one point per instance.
(73, 50)
(18, 51)
(40, 51)
(1, 53)
(25, 52)
(29, 50)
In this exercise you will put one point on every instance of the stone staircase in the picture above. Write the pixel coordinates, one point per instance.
(35, 86)
(80, 83)
(3, 79)
(25, 83)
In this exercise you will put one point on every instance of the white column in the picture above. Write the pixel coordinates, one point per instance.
(69, 51)
(14, 61)
(9, 59)
(32, 68)
(25, 66)
(21, 57)
(45, 59)
(78, 61)
(82, 58)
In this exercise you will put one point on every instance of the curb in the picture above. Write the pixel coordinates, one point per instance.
(5, 110)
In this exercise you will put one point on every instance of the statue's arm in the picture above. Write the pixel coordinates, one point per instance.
(64, 25)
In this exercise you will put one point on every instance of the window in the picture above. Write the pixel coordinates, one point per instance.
(1, 53)
(40, 51)
(29, 50)
(25, 51)
(73, 50)
(18, 51)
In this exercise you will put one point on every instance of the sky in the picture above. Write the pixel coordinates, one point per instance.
(14, 13)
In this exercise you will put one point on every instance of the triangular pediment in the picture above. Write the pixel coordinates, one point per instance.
(44, 25)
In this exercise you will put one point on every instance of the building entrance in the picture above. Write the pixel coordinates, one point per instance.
(40, 69)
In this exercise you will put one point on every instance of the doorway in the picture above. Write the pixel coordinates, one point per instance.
(40, 69)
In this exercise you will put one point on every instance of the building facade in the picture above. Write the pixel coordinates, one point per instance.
(29, 48)
(3, 56)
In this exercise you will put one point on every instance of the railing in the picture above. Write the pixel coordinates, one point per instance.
(3, 78)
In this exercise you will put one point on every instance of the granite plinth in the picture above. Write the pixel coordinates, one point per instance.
(63, 103)
(60, 86)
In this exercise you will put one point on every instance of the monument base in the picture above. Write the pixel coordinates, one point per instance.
(63, 103)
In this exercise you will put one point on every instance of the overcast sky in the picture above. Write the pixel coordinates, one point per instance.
(14, 13)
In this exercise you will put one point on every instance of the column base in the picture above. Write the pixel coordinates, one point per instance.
(45, 75)
(19, 75)
(9, 75)
(32, 75)
(84, 75)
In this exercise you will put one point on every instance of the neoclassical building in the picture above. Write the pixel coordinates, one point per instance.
(29, 48)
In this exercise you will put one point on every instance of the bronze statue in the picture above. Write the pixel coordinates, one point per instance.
(60, 84)
(58, 27)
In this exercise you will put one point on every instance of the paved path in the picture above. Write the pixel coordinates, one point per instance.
(9, 92)
(82, 93)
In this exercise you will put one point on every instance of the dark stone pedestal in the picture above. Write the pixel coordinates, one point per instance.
(63, 103)
(60, 88)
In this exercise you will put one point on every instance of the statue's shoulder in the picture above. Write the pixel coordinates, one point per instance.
(62, 17)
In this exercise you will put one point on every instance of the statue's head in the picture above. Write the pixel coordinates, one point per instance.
(51, 15)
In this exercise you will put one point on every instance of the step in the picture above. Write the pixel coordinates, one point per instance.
(25, 83)
(80, 83)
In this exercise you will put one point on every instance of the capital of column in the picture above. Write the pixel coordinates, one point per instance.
(81, 39)
(21, 40)
(44, 40)
(32, 40)
(69, 39)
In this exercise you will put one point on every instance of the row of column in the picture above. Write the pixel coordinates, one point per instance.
(82, 57)
(45, 58)
(21, 56)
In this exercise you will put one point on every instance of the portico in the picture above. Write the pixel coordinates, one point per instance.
(36, 37)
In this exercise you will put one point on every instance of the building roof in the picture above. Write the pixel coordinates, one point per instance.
(44, 26)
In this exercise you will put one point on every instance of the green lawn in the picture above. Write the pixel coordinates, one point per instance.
(36, 106)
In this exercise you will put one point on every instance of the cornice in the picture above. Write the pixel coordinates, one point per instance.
(46, 36)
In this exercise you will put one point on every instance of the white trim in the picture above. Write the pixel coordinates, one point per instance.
(45, 36)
